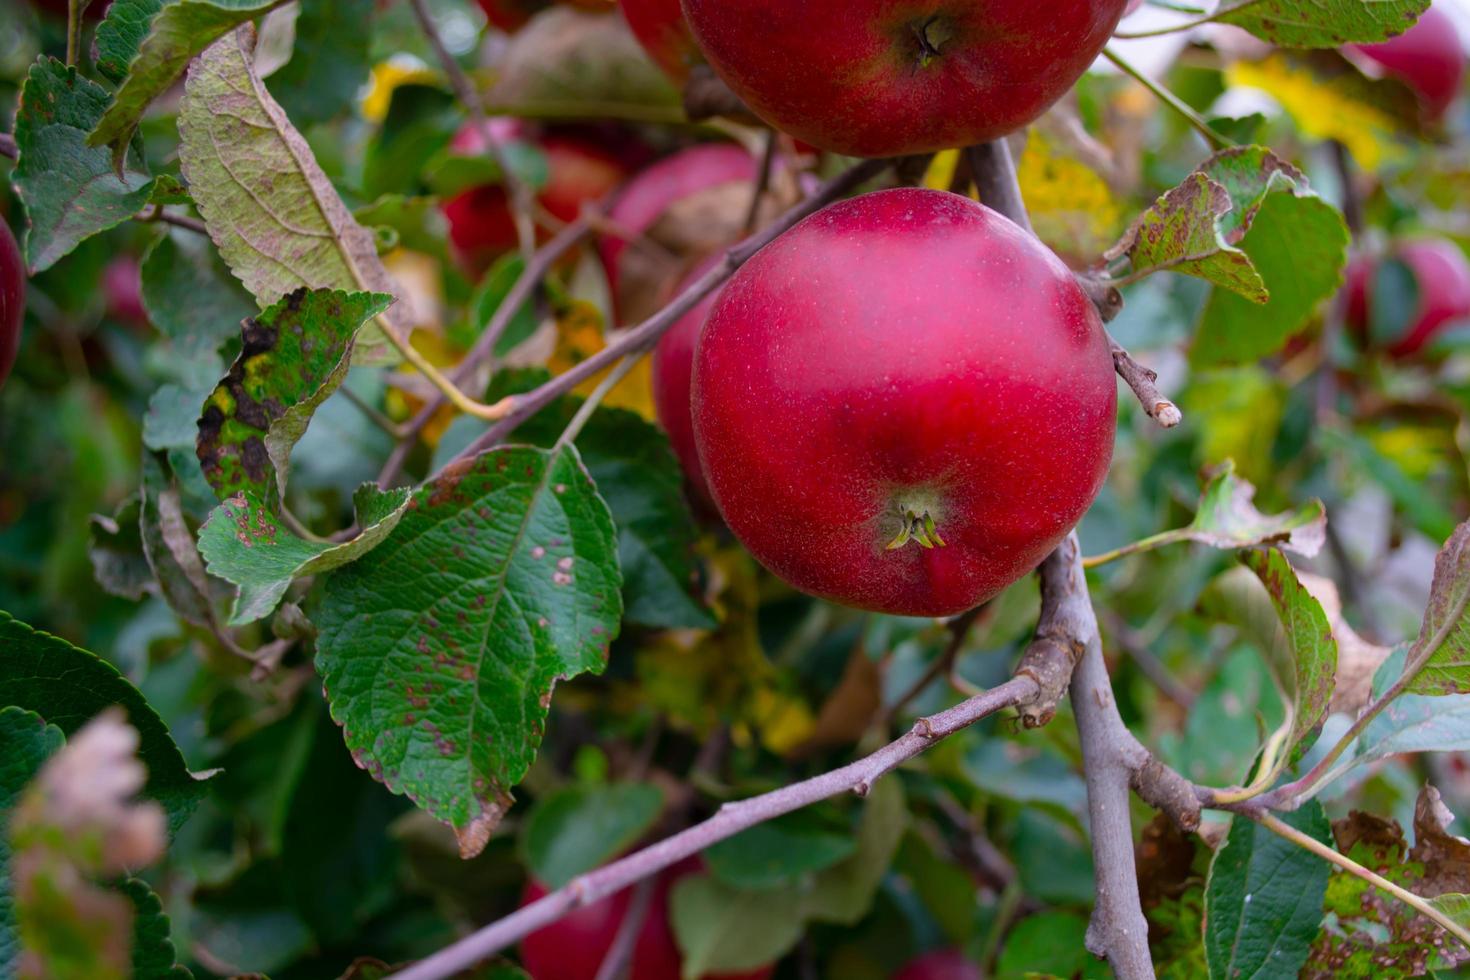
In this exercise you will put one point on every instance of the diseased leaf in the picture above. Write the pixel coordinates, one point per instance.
(576, 829)
(1323, 23)
(295, 355)
(1227, 518)
(329, 62)
(724, 930)
(176, 31)
(68, 687)
(440, 648)
(1263, 901)
(244, 543)
(276, 218)
(1443, 646)
(26, 741)
(70, 191)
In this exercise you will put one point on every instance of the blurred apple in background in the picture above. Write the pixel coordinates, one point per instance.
(1405, 322)
(1429, 58)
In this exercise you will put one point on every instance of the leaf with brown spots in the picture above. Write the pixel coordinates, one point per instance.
(295, 355)
(1323, 23)
(439, 649)
(244, 543)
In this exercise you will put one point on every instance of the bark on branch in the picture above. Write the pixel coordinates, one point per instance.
(729, 820)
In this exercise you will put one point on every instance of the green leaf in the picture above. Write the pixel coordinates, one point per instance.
(26, 741)
(1298, 244)
(1443, 646)
(420, 123)
(154, 954)
(1283, 620)
(1052, 943)
(244, 543)
(1263, 901)
(639, 477)
(778, 854)
(116, 550)
(295, 355)
(1227, 518)
(70, 191)
(1455, 905)
(169, 546)
(439, 649)
(177, 32)
(193, 300)
(68, 687)
(276, 218)
(448, 172)
(577, 828)
(417, 221)
(329, 62)
(489, 294)
(121, 33)
(844, 892)
(724, 930)
(1324, 23)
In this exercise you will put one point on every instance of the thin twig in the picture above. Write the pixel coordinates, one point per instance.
(762, 184)
(589, 405)
(156, 213)
(1212, 136)
(525, 286)
(1143, 381)
(620, 955)
(857, 777)
(1188, 25)
(518, 193)
(8, 148)
(74, 11)
(959, 628)
(371, 412)
(1309, 843)
(640, 339)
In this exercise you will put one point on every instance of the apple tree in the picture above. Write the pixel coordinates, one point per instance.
(734, 489)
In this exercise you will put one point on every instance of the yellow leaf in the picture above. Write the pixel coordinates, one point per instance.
(1071, 205)
(386, 77)
(940, 174)
(1340, 107)
(579, 335)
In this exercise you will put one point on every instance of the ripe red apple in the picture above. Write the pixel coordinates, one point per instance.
(942, 964)
(673, 373)
(903, 403)
(122, 289)
(1429, 58)
(578, 172)
(650, 194)
(661, 29)
(12, 299)
(574, 947)
(882, 78)
(1441, 273)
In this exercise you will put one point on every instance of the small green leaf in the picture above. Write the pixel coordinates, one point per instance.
(1323, 23)
(177, 31)
(778, 854)
(440, 648)
(1263, 900)
(244, 543)
(70, 191)
(68, 687)
(279, 223)
(329, 61)
(154, 955)
(26, 741)
(193, 300)
(1443, 646)
(578, 828)
(724, 930)
(844, 892)
(420, 123)
(295, 355)
(1052, 943)
(418, 222)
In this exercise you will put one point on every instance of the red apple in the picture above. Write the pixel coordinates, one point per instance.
(883, 78)
(673, 372)
(904, 403)
(122, 290)
(659, 26)
(511, 15)
(942, 964)
(574, 947)
(12, 299)
(1441, 273)
(578, 172)
(1429, 58)
(653, 191)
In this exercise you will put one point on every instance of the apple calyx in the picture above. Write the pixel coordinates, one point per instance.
(932, 34)
(916, 525)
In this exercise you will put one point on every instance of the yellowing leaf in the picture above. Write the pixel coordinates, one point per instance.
(579, 335)
(783, 720)
(1071, 206)
(940, 174)
(1329, 101)
(388, 76)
